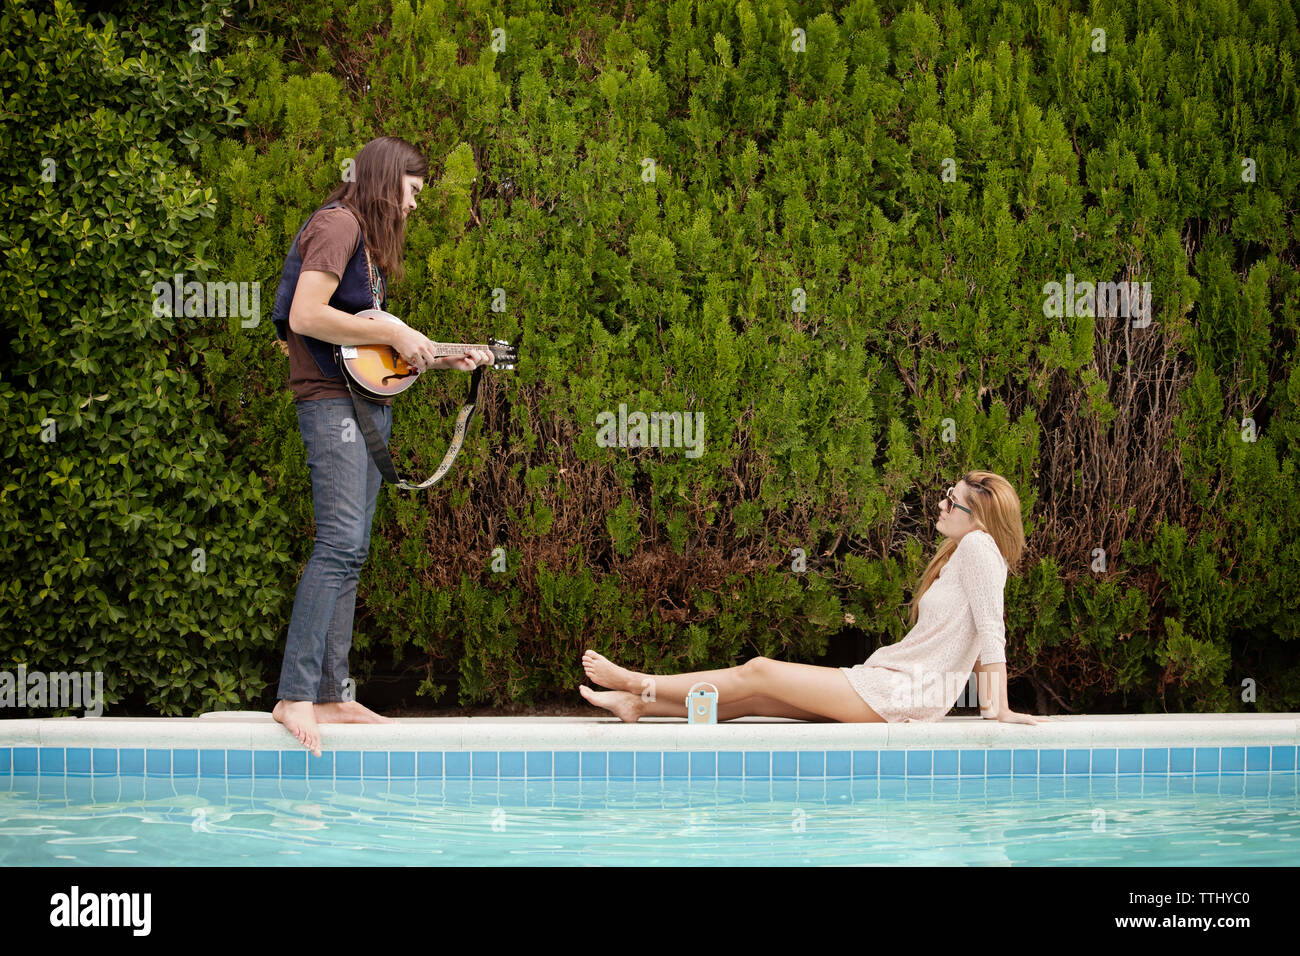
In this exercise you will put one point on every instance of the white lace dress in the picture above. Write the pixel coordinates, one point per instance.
(958, 625)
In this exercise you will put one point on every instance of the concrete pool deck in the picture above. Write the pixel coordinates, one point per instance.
(256, 730)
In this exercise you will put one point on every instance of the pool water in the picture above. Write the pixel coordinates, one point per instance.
(1217, 820)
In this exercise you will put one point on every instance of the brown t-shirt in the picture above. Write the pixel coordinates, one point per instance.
(327, 245)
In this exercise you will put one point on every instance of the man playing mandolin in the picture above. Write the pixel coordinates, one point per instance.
(336, 268)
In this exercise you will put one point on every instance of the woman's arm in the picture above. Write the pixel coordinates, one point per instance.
(983, 574)
(992, 683)
(311, 314)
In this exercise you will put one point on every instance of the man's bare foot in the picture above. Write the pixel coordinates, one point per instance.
(626, 707)
(601, 670)
(299, 719)
(348, 712)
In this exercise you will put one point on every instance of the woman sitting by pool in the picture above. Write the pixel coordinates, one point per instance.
(919, 678)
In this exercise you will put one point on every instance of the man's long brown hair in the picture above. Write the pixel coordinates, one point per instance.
(375, 198)
(995, 508)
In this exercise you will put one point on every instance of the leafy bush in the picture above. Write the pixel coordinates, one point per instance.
(133, 542)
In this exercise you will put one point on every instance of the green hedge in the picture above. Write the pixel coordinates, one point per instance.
(115, 470)
(920, 348)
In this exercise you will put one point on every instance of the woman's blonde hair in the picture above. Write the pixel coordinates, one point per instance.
(995, 507)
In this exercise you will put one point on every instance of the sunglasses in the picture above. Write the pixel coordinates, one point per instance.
(952, 502)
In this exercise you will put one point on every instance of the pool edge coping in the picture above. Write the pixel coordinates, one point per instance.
(258, 731)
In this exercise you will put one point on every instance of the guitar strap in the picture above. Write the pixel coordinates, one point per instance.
(366, 412)
(366, 418)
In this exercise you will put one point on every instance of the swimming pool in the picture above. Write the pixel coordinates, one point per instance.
(770, 793)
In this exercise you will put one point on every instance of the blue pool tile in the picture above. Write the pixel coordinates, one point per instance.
(1051, 762)
(1182, 759)
(649, 764)
(185, 763)
(566, 763)
(998, 763)
(1207, 759)
(6, 759)
(105, 789)
(347, 764)
(1078, 761)
(239, 763)
(24, 760)
(758, 763)
(455, 763)
(920, 763)
(1155, 760)
(1024, 763)
(212, 763)
(1129, 760)
(374, 764)
(322, 767)
(730, 764)
(866, 763)
(510, 763)
(157, 788)
(428, 764)
(104, 760)
(620, 763)
(1283, 759)
(1103, 761)
(401, 764)
(677, 764)
(266, 763)
(293, 764)
(785, 763)
(945, 763)
(595, 763)
(893, 763)
(131, 760)
(971, 763)
(812, 763)
(839, 763)
(537, 763)
(78, 760)
(51, 760)
(704, 765)
(1257, 758)
(130, 789)
(158, 763)
(1232, 760)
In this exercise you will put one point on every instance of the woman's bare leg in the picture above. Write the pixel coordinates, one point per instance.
(819, 691)
(631, 707)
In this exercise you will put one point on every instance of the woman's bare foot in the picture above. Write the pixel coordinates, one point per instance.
(348, 712)
(601, 670)
(299, 719)
(626, 707)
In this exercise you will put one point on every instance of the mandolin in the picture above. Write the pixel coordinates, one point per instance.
(377, 371)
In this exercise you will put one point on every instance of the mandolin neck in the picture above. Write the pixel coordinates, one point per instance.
(457, 348)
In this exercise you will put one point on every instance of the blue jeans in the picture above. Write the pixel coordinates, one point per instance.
(344, 489)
